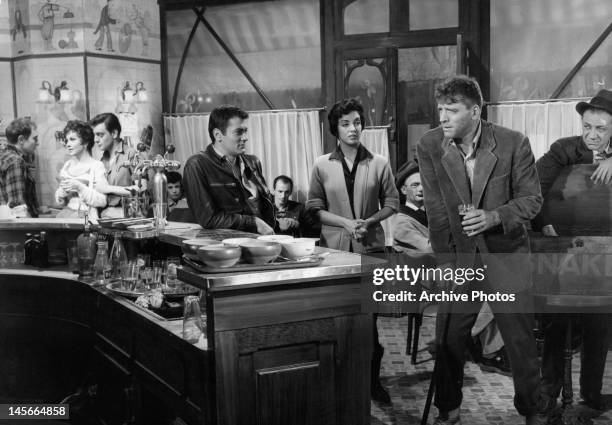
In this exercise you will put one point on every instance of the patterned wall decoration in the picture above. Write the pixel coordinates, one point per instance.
(47, 26)
(123, 27)
(116, 27)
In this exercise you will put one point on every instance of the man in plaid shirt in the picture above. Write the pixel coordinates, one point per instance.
(17, 183)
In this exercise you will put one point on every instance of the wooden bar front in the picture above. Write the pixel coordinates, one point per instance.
(294, 349)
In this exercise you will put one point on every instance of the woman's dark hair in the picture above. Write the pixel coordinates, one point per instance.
(111, 122)
(83, 130)
(341, 108)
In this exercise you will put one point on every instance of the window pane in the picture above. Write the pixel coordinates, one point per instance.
(366, 16)
(420, 70)
(595, 74)
(277, 42)
(431, 14)
(535, 44)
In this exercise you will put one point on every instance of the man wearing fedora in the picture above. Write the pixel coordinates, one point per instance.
(592, 147)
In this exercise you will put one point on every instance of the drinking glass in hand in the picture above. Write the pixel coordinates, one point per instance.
(464, 209)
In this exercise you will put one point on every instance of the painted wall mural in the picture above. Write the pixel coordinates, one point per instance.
(50, 116)
(116, 27)
(124, 27)
(51, 89)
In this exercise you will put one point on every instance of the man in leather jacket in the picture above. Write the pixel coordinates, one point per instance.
(225, 187)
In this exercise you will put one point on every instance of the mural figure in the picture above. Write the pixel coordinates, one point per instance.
(140, 22)
(104, 29)
(19, 28)
(46, 14)
(125, 38)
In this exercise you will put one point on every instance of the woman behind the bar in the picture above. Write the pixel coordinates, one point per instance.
(80, 173)
(348, 187)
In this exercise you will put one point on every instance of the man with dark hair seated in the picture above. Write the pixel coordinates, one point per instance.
(592, 147)
(291, 218)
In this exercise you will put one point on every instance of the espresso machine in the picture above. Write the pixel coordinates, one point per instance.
(140, 166)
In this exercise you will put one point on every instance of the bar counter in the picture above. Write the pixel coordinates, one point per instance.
(289, 346)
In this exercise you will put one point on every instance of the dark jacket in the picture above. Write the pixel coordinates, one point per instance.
(505, 180)
(309, 225)
(217, 197)
(564, 152)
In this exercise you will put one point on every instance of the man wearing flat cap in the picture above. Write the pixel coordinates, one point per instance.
(411, 233)
(592, 147)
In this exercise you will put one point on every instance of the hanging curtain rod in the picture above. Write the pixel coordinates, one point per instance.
(515, 102)
(178, 114)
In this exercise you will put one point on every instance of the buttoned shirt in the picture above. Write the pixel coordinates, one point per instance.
(469, 160)
(116, 173)
(13, 174)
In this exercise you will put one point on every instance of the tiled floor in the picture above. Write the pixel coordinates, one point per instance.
(487, 396)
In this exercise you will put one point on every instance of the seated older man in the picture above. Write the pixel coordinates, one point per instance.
(592, 147)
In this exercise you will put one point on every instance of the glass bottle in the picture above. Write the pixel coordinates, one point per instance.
(118, 256)
(27, 248)
(86, 248)
(194, 325)
(35, 251)
(43, 252)
(102, 266)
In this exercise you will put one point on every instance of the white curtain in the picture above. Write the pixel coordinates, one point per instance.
(542, 123)
(376, 140)
(188, 133)
(286, 143)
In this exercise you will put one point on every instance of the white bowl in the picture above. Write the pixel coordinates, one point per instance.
(237, 241)
(276, 238)
(298, 247)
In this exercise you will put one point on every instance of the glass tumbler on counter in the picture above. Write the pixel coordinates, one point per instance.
(129, 275)
(194, 323)
(158, 275)
(73, 256)
(171, 265)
